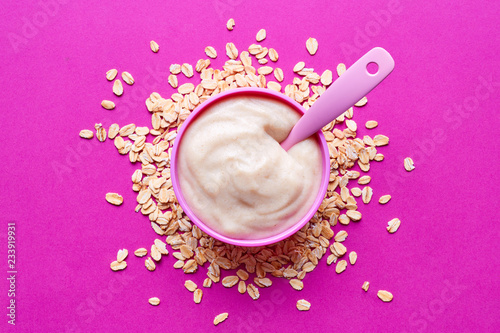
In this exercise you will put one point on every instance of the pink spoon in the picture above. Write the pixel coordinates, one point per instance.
(347, 90)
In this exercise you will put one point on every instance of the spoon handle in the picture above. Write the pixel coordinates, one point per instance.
(347, 90)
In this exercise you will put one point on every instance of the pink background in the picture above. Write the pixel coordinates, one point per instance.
(442, 264)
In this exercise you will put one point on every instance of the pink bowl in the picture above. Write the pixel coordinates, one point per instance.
(261, 92)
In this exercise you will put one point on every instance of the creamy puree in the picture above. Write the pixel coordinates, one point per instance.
(234, 174)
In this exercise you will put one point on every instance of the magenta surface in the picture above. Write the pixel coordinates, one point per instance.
(439, 106)
(235, 93)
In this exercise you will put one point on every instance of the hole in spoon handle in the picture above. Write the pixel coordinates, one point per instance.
(372, 68)
(376, 64)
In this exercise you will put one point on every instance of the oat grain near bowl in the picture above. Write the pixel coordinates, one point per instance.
(237, 178)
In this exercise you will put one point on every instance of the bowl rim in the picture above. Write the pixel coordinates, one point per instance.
(325, 175)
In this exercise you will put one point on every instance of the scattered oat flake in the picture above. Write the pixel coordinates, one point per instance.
(175, 69)
(186, 251)
(343, 219)
(364, 180)
(380, 140)
(111, 74)
(341, 68)
(341, 266)
(118, 266)
(100, 132)
(154, 301)
(408, 162)
(384, 295)
(118, 87)
(253, 291)
(179, 264)
(190, 266)
(230, 24)
(312, 45)
(246, 60)
(341, 236)
(297, 284)
(393, 225)
(326, 77)
(265, 70)
(273, 54)
(220, 318)
(141, 252)
(308, 267)
(197, 296)
(299, 66)
(154, 46)
(142, 130)
(122, 255)
(262, 54)
(202, 64)
(278, 74)
(242, 274)
(263, 61)
(274, 86)
(86, 134)
(230, 281)
(172, 80)
(354, 215)
(231, 51)
(303, 305)
(127, 78)
(361, 102)
(157, 229)
(150, 265)
(261, 35)
(242, 287)
(254, 49)
(356, 191)
(155, 254)
(186, 88)
(338, 249)
(114, 199)
(351, 124)
(207, 283)
(371, 124)
(187, 70)
(211, 52)
(365, 286)
(384, 199)
(353, 256)
(127, 130)
(113, 131)
(263, 282)
(161, 246)
(367, 194)
(108, 105)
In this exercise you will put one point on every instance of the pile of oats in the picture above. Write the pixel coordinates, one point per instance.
(291, 258)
